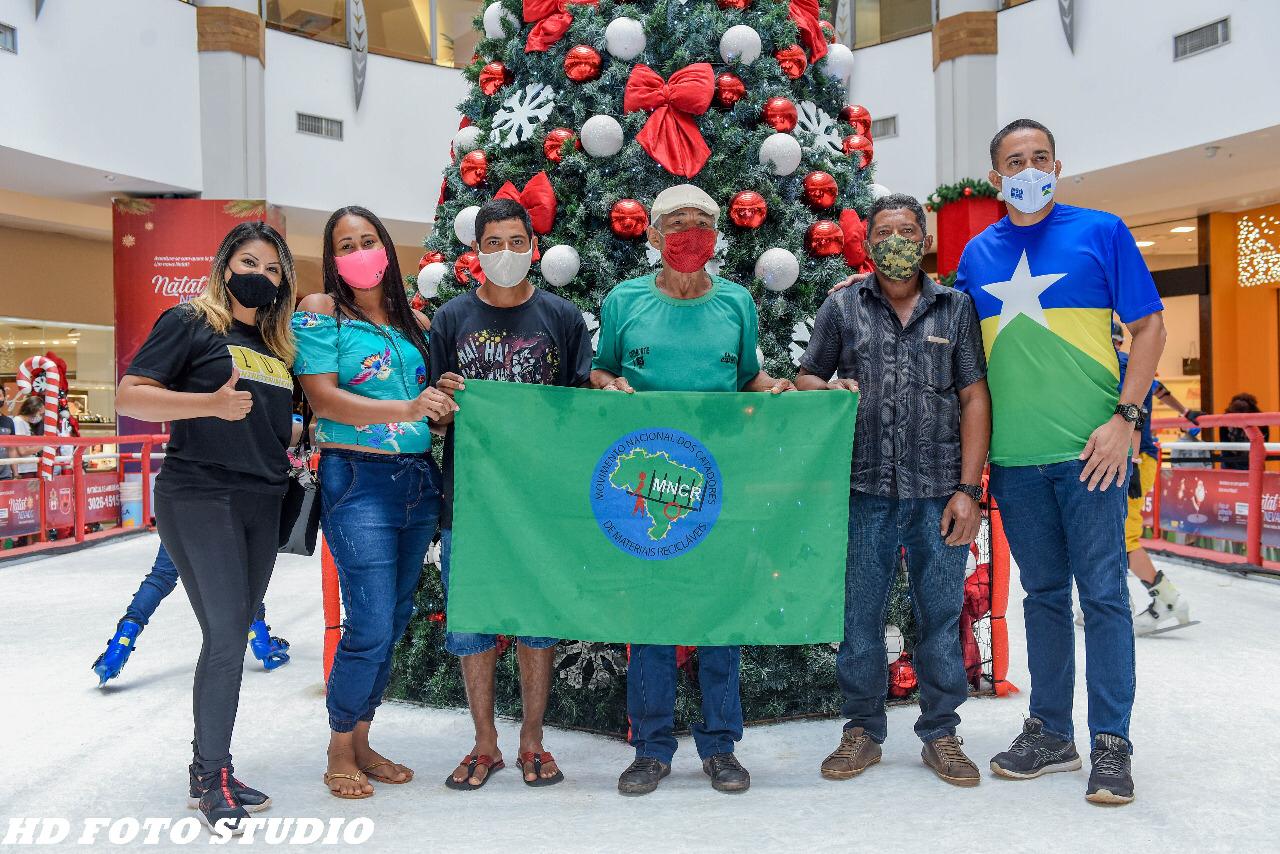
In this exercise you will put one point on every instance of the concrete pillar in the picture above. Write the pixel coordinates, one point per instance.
(232, 44)
(964, 80)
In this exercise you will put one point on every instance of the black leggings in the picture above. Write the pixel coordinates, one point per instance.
(224, 543)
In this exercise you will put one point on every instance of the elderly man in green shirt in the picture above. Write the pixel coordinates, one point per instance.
(682, 329)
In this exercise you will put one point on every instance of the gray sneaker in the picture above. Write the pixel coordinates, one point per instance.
(1035, 752)
(1110, 781)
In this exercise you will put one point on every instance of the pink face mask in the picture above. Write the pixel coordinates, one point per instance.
(363, 268)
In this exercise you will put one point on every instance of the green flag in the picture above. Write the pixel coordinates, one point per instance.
(657, 517)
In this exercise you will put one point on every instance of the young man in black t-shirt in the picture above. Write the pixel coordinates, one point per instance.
(507, 330)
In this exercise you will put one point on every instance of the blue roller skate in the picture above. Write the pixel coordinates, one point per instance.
(271, 651)
(116, 655)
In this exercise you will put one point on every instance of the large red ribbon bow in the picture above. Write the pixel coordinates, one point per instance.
(805, 14)
(671, 136)
(551, 20)
(855, 233)
(538, 198)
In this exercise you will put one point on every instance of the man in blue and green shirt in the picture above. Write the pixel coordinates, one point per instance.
(681, 329)
(1045, 281)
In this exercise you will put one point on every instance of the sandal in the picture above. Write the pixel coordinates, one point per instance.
(368, 772)
(538, 759)
(338, 775)
(472, 762)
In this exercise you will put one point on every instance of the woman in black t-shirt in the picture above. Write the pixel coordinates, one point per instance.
(217, 369)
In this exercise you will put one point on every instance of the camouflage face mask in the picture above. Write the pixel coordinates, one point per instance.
(897, 257)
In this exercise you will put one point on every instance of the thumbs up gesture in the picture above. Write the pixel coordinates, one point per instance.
(227, 403)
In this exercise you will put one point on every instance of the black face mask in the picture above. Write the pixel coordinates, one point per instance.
(252, 290)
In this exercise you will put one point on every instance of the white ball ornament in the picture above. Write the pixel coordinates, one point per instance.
(494, 15)
(838, 63)
(624, 38)
(879, 191)
(466, 139)
(429, 279)
(781, 153)
(601, 136)
(740, 43)
(464, 225)
(778, 269)
(560, 264)
(893, 645)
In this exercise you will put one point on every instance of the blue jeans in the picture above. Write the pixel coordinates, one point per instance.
(471, 643)
(158, 584)
(651, 700)
(1058, 530)
(879, 528)
(379, 513)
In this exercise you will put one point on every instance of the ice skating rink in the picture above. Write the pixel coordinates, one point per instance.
(1205, 730)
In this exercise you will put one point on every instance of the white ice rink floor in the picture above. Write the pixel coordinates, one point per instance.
(1205, 729)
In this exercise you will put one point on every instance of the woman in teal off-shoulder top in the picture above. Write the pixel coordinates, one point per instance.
(362, 361)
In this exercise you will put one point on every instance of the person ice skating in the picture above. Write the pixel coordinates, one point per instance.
(681, 329)
(1239, 460)
(1166, 601)
(1046, 280)
(506, 330)
(915, 350)
(272, 651)
(217, 369)
(362, 362)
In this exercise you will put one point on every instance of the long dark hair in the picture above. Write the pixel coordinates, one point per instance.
(395, 302)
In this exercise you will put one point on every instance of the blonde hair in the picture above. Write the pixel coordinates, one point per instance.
(273, 321)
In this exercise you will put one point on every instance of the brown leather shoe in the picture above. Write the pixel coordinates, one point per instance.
(854, 755)
(948, 761)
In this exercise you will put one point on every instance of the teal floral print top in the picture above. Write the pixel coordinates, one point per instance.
(371, 361)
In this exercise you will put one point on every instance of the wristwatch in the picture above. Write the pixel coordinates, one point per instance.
(1131, 412)
(970, 489)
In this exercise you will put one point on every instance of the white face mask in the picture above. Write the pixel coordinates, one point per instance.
(1030, 190)
(505, 268)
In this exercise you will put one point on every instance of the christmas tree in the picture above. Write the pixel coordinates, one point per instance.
(584, 112)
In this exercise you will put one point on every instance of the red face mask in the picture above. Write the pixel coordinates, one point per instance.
(689, 250)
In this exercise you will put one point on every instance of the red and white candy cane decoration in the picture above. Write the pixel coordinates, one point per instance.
(27, 371)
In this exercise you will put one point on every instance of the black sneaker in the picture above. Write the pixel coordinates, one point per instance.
(1110, 781)
(251, 799)
(726, 773)
(1035, 752)
(642, 776)
(218, 803)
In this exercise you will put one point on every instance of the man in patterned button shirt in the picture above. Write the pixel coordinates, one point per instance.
(914, 351)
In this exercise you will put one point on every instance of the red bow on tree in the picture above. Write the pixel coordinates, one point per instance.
(805, 14)
(855, 233)
(538, 199)
(551, 21)
(671, 136)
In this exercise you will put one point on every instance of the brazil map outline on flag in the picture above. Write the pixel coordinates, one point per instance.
(640, 465)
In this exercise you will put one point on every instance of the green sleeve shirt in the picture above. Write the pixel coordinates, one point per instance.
(659, 343)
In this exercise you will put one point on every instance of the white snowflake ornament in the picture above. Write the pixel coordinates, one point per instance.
(815, 120)
(521, 114)
(800, 335)
(593, 326)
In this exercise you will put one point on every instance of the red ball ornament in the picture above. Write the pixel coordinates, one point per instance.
(828, 31)
(474, 168)
(859, 147)
(430, 258)
(555, 141)
(733, 4)
(902, 678)
(628, 218)
(582, 63)
(820, 189)
(747, 209)
(462, 267)
(968, 191)
(792, 61)
(824, 239)
(729, 89)
(418, 303)
(857, 116)
(493, 77)
(780, 114)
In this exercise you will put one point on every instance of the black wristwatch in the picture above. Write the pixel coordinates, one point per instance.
(972, 490)
(1131, 412)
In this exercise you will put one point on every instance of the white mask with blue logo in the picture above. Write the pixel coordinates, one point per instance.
(1030, 190)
